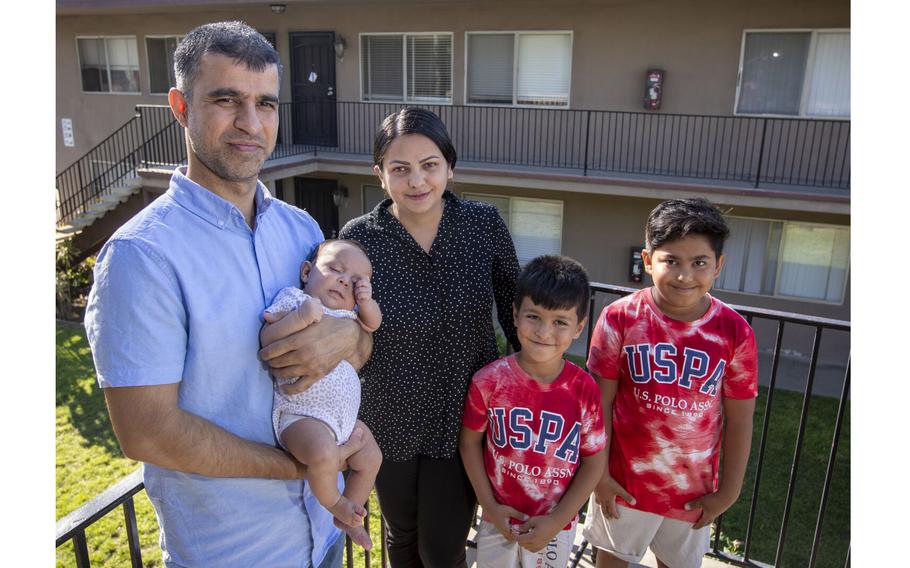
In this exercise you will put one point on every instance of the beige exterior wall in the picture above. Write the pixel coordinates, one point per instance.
(698, 43)
(599, 230)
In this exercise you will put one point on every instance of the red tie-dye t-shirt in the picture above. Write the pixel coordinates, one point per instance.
(535, 433)
(668, 411)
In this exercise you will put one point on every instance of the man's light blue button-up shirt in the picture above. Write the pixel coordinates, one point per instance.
(178, 297)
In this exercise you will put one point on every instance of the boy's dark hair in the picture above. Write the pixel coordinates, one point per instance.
(677, 218)
(236, 40)
(318, 249)
(413, 120)
(555, 283)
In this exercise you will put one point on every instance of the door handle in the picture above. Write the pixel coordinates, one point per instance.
(331, 91)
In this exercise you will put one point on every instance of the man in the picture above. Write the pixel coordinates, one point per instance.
(174, 322)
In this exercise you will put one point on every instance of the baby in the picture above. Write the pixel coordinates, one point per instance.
(311, 424)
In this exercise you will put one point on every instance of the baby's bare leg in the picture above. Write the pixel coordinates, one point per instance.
(313, 444)
(364, 465)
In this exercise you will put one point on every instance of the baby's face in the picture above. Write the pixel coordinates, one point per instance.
(331, 279)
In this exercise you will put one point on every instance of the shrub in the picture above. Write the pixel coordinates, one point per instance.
(73, 280)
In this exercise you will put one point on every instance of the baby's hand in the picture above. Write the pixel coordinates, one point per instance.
(363, 290)
(311, 311)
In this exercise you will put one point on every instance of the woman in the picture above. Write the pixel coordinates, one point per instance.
(439, 263)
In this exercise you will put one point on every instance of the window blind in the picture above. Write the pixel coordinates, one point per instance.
(773, 69)
(123, 61)
(160, 54)
(491, 61)
(544, 63)
(429, 67)
(829, 85)
(381, 62)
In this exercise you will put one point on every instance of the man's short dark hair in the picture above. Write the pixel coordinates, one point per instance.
(236, 40)
(555, 283)
(675, 219)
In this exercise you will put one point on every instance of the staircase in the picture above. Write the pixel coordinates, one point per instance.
(109, 174)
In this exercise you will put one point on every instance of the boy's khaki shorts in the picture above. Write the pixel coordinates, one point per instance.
(628, 537)
(494, 551)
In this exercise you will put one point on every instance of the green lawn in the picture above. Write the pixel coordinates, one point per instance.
(89, 460)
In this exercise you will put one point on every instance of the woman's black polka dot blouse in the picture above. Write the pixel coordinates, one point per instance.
(437, 328)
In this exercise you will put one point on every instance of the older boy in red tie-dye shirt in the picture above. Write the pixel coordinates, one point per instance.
(677, 368)
(533, 439)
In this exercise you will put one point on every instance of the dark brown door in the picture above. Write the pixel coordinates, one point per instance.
(313, 88)
(314, 195)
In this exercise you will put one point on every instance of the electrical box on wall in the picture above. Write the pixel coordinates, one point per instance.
(654, 85)
(636, 265)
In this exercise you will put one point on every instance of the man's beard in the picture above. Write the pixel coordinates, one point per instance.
(221, 165)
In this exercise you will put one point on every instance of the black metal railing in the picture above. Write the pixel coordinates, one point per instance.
(115, 158)
(748, 150)
(770, 151)
(778, 322)
(774, 324)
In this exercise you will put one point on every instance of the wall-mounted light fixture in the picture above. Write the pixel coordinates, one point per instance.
(278, 8)
(339, 46)
(338, 195)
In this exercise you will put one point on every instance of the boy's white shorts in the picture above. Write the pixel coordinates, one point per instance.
(628, 537)
(494, 551)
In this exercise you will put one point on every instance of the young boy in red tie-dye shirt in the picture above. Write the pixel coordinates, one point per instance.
(677, 368)
(533, 439)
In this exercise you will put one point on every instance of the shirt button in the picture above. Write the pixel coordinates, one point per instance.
(221, 222)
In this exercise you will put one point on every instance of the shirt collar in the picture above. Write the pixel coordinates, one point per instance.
(204, 203)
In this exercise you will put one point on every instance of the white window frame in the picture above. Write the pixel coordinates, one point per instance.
(784, 222)
(562, 209)
(518, 33)
(404, 67)
(79, 65)
(148, 66)
(810, 62)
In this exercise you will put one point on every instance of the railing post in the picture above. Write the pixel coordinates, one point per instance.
(143, 159)
(587, 139)
(132, 533)
(80, 548)
(761, 151)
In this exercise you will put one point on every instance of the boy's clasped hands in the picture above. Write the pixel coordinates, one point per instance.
(531, 533)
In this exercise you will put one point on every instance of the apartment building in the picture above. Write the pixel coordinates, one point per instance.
(573, 117)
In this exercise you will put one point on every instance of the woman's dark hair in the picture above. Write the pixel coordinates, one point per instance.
(675, 219)
(554, 283)
(413, 120)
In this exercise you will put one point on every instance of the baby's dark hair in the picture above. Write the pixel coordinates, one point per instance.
(675, 219)
(555, 283)
(315, 254)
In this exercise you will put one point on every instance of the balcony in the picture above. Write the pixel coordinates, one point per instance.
(801, 158)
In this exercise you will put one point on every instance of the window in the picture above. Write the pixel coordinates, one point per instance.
(780, 258)
(519, 68)
(795, 73)
(535, 224)
(108, 64)
(406, 67)
(160, 54)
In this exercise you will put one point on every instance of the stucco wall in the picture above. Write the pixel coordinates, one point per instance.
(697, 43)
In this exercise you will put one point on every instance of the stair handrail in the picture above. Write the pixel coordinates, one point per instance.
(123, 155)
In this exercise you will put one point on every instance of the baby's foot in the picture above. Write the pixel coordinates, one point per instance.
(359, 535)
(348, 512)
